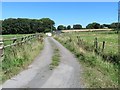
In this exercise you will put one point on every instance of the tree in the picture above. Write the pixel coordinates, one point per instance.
(77, 26)
(101, 26)
(46, 23)
(65, 28)
(93, 26)
(115, 25)
(106, 25)
(68, 27)
(60, 27)
(0, 27)
(26, 26)
(54, 28)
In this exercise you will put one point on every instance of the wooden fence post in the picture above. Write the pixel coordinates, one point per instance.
(22, 40)
(79, 41)
(103, 46)
(1, 48)
(25, 38)
(31, 37)
(14, 40)
(96, 45)
(70, 40)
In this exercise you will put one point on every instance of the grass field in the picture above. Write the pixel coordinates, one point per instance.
(110, 37)
(99, 72)
(8, 37)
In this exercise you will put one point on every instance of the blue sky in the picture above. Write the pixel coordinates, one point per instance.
(66, 13)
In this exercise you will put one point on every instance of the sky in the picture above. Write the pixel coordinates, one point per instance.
(63, 13)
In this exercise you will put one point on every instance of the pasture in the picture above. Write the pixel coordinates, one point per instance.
(8, 38)
(87, 40)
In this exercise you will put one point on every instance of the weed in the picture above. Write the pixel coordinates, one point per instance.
(55, 59)
(97, 73)
(17, 58)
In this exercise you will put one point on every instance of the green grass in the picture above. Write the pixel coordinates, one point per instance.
(110, 39)
(111, 42)
(10, 36)
(111, 45)
(56, 56)
(17, 58)
(55, 59)
(97, 72)
(14, 35)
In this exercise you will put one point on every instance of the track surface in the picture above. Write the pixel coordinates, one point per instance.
(39, 75)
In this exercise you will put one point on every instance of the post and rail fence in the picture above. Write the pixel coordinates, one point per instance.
(17, 41)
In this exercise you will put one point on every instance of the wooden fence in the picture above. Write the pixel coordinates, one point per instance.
(96, 47)
(17, 41)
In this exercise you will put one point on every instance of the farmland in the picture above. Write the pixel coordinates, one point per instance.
(87, 41)
(60, 45)
(8, 37)
(99, 68)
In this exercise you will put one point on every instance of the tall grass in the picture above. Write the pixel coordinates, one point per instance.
(110, 52)
(97, 72)
(17, 58)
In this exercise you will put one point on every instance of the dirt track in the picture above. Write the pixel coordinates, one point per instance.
(39, 75)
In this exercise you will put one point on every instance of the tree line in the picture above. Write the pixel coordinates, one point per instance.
(93, 25)
(26, 26)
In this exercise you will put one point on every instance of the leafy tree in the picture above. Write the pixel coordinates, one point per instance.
(0, 27)
(54, 28)
(106, 25)
(60, 27)
(65, 28)
(47, 23)
(25, 26)
(101, 26)
(93, 26)
(90, 26)
(115, 25)
(68, 27)
(77, 26)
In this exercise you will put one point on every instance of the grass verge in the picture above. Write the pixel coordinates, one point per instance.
(97, 73)
(17, 58)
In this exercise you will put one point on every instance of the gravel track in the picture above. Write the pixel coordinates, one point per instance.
(39, 75)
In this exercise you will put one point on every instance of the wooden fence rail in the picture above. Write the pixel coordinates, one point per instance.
(16, 41)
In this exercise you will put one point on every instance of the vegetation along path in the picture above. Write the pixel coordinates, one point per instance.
(39, 75)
